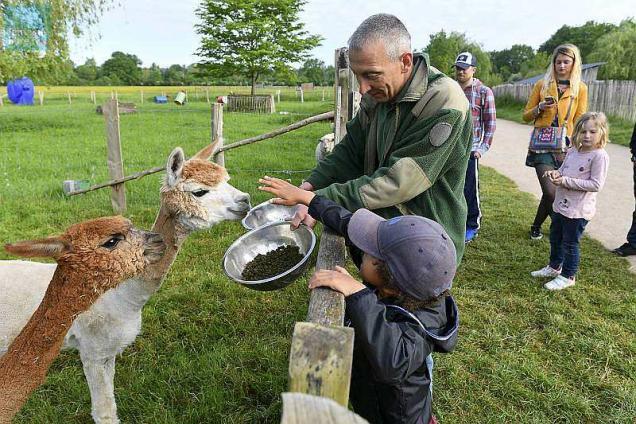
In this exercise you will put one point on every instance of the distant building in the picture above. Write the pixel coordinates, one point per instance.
(588, 74)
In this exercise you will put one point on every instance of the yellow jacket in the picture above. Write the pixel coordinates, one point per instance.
(579, 106)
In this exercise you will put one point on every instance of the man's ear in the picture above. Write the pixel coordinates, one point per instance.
(406, 62)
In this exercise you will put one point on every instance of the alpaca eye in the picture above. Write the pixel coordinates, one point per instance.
(200, 193)
(111, 243)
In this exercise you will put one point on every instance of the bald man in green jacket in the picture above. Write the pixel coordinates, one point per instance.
(407, 149)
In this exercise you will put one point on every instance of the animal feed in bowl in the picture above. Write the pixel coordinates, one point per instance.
(272, 263)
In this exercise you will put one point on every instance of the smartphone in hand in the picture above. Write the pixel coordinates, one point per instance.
(550, 100)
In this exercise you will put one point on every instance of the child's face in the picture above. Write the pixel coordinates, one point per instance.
(369, 271)
(589, 136)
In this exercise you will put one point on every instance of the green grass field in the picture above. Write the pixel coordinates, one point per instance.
(215, 352)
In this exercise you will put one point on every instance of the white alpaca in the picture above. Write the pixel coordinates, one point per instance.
(195, 195)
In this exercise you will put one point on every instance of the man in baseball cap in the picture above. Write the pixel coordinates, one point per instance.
(484, 117)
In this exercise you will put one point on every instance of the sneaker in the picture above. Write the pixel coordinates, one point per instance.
(471, 233)
(535, 233)
(559, 283)
(625, 250)
(546, 272)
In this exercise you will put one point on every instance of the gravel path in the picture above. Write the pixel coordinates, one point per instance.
(615, 202)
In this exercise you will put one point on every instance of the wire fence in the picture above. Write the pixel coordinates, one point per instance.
(43, 146)
(97, 95)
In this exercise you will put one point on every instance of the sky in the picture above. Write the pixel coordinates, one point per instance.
(162, 31)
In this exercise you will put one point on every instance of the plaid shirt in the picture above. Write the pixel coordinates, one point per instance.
(484, 115)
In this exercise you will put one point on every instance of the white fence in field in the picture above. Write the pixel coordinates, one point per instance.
(616, 98)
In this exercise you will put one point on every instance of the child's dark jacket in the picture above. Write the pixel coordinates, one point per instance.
(390, 381)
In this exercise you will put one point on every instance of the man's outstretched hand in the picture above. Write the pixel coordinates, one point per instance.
(290, 195)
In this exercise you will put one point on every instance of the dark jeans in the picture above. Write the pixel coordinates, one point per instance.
(565, 234)
(471, 193)
(631, 235)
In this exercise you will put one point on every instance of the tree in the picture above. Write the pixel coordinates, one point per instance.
(251, 37)
(87, 73)
(443, 48)
(583, 37)
(152, 75)
(617, 48)
(176, 75)
(123, 67)
(35, 39)
(509, 61)
(313, 70)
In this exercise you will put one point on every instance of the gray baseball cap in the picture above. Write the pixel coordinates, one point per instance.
(417, 250)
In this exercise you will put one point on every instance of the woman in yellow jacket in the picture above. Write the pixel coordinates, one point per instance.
(548, 106)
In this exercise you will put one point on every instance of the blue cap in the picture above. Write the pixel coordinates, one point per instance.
(417, 250)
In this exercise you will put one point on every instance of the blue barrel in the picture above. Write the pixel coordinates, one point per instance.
(21, 91)
(161, 99)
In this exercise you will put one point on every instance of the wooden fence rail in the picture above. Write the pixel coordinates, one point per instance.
(616, 98)
(217, 128)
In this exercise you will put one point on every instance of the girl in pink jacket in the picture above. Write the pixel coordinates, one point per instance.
(579, 178)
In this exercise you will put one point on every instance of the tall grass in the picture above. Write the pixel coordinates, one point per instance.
(215, 352)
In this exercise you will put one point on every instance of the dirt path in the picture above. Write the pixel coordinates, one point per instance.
(615, 202)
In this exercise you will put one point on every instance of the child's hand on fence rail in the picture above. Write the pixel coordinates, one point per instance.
(286, 193)
(338, 279)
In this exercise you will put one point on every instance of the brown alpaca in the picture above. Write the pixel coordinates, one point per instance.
(196, 195)
(92, 257)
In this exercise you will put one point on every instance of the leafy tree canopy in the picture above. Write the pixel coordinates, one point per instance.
(510, 60)
(618, 49)
(252, 37)
(33, 36)
(123, 67)
(443, 48)
(583, 37)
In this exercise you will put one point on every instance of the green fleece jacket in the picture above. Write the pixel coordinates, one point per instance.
(407, 156)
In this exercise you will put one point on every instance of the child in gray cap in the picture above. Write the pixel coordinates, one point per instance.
(401, 312)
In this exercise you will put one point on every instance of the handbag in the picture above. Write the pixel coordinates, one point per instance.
(550, 138)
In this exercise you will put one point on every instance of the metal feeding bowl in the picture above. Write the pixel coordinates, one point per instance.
(263, 240)
(267, 213)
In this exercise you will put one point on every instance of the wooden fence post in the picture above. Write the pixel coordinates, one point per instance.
(302, 96)
(272, 104)
(115, 162)
(217, 131)
(68, 93)
(349, 95)
(278, 96)
(41, 98)
(207, 96)
(1, 101)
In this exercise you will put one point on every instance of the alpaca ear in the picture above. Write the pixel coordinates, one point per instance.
(207, 151)
(174, 167)
(52, 247)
